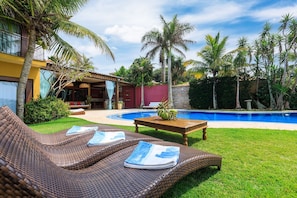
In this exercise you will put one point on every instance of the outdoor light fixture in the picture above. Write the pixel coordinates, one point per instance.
(70, 85)
(84, 85)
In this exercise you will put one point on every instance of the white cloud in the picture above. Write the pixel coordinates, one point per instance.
(104, 13)
(217, 12)
(89, 50)
(131, 34)
(122, 24)
(127, 20)
(274, 14)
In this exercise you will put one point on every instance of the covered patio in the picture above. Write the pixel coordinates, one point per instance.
(98, 91)
(94, 91)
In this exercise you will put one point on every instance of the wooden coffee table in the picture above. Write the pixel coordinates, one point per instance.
(182, 126)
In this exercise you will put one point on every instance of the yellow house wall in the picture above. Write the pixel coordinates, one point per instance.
(11, 66)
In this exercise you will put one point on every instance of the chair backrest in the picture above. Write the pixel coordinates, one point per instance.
(7, 111)
(24, 169)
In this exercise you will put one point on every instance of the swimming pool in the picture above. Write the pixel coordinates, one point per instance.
(279, 117)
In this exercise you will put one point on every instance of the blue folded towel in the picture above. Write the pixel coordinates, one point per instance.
(152, 156)
(102, 138)
(74, 130)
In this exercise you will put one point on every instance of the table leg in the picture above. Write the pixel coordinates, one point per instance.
(136, 128)
(185, 137)
(204, 136)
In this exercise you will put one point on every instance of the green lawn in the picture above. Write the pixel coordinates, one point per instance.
(256, 162)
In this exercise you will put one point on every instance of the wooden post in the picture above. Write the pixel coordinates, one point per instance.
(117, 93)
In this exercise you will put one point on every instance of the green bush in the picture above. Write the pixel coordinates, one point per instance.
(200, 93)
(42, 110)
(226, 92)
(293, 100)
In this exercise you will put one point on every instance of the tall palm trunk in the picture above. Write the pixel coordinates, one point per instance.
(170, 97)
(238, 106)
(214, 93)
(25, 74)
(163, 72)
(142, 92)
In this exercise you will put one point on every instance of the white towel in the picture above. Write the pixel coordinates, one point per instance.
(74, 130)
(102, 138)
(152, 156)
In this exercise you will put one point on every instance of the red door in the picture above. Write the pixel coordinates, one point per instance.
(129, 96)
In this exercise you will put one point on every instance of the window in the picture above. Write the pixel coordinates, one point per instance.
(8, 94)
(10, 39)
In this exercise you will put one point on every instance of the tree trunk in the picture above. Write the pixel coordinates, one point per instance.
(163, 72)
(170, 97)
(238, 106)
(214, 93)
(142, 92)
(272, 102)
(280, 99)
(294, 86)
(25, 74)
(280, 102)
(257, 88)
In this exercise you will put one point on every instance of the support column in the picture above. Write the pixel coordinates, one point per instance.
(117, 93)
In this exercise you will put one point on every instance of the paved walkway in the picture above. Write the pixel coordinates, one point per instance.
(101, 116)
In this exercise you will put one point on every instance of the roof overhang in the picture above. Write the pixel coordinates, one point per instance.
(99, 79)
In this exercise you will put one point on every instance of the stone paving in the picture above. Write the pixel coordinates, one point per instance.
(101, 116)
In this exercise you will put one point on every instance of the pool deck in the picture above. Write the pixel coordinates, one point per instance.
(101, 116)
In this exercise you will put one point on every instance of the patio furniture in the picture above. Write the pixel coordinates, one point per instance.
(152, 105)
(26, 171)
(182, 126)
(55, 139)
(77, 104)
(74, 154)
(79, 111)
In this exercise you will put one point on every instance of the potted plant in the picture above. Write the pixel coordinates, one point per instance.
(165, 113)
(120, 104)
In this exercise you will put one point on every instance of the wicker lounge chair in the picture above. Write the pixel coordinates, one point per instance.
(74, 154)
(58, 138)
(26, 171)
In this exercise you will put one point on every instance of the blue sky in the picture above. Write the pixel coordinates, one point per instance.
(122, 24)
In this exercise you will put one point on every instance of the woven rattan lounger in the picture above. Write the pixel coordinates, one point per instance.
(26, 171)
(74, 154)
(58, 138)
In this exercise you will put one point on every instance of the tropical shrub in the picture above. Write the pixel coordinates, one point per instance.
(42, 110)
(200, 94)
(293, 101)
(226, 92)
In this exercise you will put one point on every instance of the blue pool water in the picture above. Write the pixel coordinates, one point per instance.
(220, 116)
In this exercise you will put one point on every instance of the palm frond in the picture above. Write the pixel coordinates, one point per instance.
(79, 31)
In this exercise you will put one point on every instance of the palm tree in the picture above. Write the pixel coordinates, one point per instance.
(256, 52)
(154, 39)
(286, 43)
(43, 20)
(173, 35)
(213, 59)
(178, 69)
(266, 45)
(239, 62)
(140, 74)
